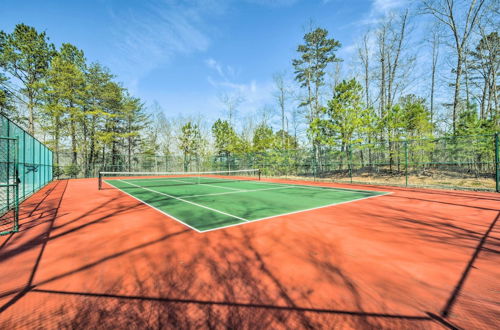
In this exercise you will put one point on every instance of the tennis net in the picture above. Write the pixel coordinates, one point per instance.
(159, 179)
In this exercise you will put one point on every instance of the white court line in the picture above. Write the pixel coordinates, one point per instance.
(185, 201)
(306, 186)
(188, 182)
(236, 192)
(155, 208)
(247, 181)
(294, 212)
(265, 218)
(205, 184)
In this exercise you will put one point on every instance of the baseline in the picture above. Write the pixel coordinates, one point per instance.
(295, 212)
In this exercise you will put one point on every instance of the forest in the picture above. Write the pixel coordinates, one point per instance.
(384, 99)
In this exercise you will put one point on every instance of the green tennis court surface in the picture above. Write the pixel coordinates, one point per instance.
(206, 204)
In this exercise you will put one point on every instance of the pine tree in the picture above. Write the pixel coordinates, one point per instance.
(315, 54)
(25, 54)
(190, 143)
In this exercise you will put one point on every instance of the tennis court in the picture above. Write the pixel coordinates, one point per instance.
(343, 256)
(214, 200)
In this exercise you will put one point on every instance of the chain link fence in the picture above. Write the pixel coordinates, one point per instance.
(25, 167)
(458, 162)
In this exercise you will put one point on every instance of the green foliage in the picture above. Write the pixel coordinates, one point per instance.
(25, 54)
(469, 123)
(263, 138)
(72, 170)
(408, 119)
(416, 117)
(345, 118)
(64, 94)
(71, 54)
(314, 56)
(226, 139)
(6, 99)
(190, 142)
(57, 170)
(290, 142)
(484, 63)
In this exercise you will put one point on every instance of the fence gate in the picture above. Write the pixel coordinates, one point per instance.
(9, 185)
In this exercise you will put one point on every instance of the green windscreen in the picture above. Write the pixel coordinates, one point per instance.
(25, 167)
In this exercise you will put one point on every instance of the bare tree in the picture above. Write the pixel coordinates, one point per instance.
(231, 103)
(395, 59)
(435, 56)
(364, 56)
(461, 21)
(248, 125)
(486, 62)
(264, 114)
(335, 76)
(282, 94)
(381, 39)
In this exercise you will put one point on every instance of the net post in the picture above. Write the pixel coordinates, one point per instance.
(258, 172)
(100, 181)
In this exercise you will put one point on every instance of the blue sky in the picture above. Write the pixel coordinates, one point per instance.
(183, 54)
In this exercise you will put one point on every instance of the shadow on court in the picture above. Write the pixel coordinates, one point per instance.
(102, 259)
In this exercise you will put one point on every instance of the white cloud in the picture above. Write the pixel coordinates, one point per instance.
(224, 71)
(256, 94)
(155, 32)
(380, 9)
(385, 6)
(212, 64)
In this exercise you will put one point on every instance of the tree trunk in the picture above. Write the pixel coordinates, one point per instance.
(282, 121)
(129, 156)
(382, 87)
(185, 162)
(456, 97)
(435, 54)
(85, 152)
(31, 114)
(103, 161)
(492, 96)
(57, 137)
(114, 155)
(73, 143)
(92, 152)
(482, 108)
(466, 80)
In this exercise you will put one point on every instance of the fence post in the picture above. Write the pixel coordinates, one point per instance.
(16, 187)
(350, 161)
(406, 163)
(497, 161)
(8, 164)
